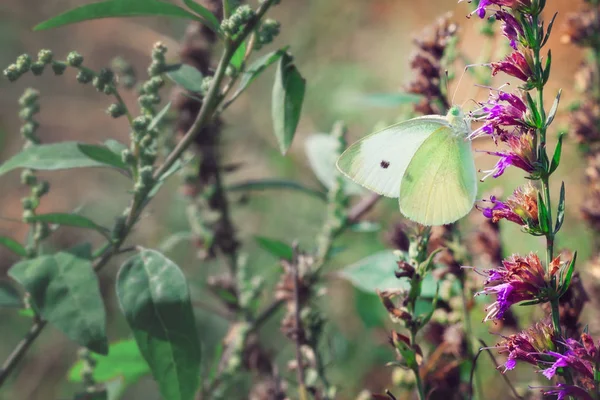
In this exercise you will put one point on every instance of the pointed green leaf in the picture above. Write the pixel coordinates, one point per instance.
(65, 219)
(537, 119)
(159, 116)
(566, 280)
(123, 360)
(13, 246)
(115, 146)
(554, 109)
(277, 184)
(238, 57)
(286, 106)
(542, 214)
(50, 157)
(560, 216)
(257, 68)
(546, 69)
(65, 291)
(154, 297)
(209, 18)
(118, 8)
(557, 153)
(549, 30)
(103, 155)
(275, 247)
(9, 296)
(187, 77)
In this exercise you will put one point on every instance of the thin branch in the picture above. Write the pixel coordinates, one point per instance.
(362, 207)
(19, 351)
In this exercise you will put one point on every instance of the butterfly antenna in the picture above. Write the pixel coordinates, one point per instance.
(463, 75)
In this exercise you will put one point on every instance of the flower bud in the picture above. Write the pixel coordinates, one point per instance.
(74, 59)
(41, 189)
(28, 216)
(37, 68)
(12, 72)
(45, 56)
(84, 76)
(29, 203)
(28, 178)
(23, 63)
(116, 110)
(58, 67)
(140, 124)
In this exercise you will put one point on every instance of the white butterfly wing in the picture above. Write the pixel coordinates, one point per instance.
(378, 161)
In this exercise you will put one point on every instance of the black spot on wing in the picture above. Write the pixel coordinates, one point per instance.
(384, 164)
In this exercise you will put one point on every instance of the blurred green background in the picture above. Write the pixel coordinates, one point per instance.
(345, 49)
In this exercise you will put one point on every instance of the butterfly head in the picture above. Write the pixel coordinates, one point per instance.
(457, 120)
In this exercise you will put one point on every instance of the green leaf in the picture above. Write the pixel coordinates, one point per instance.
(542, 214)
(65, 291)
(566, 280)
(560, 215)
(103, 155)
(549, 30)
(115, 146)
(369, 309)
(277, 184)
(431, 308)
(13, 246)
(209, 18)
(257, 68)
(9, 296)
(275, 247)
(546, 69)
(50, 157)
(74, 220)
(159, 116)
(322, 152)
(187, 77)
(238, 57)
(123, 360)
(374, 272)
(557, 153)
(554, 109)
(536, 117)
(391, 100)
(286, 106)
(154, 297)
(118, 8)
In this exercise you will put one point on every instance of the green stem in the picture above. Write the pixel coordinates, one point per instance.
(419, 381)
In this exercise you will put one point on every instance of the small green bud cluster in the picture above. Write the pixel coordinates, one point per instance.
(234, 24)
(28, 107)
(105, 82)
(24, 64)
(41, 230)
(149, 92)
(126, 72)
(267, 32)
(205, 86)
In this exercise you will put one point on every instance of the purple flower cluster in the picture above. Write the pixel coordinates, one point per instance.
(517, 279)
(521, 207)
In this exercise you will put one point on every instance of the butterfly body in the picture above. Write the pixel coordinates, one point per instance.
(426, 162)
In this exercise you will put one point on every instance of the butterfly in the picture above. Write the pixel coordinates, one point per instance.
(426, 162)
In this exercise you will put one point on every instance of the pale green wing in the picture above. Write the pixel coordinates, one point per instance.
(440, 183)
(378, 161)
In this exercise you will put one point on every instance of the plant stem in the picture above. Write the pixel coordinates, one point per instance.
(419, 381)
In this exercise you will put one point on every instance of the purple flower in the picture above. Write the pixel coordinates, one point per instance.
(502, 111)
(564, 391)
(521, 154)
(521, 207)
(513, 4)
(516, 64)
(575, 357)
(528, 345)
(516, 280)
(511, 28)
